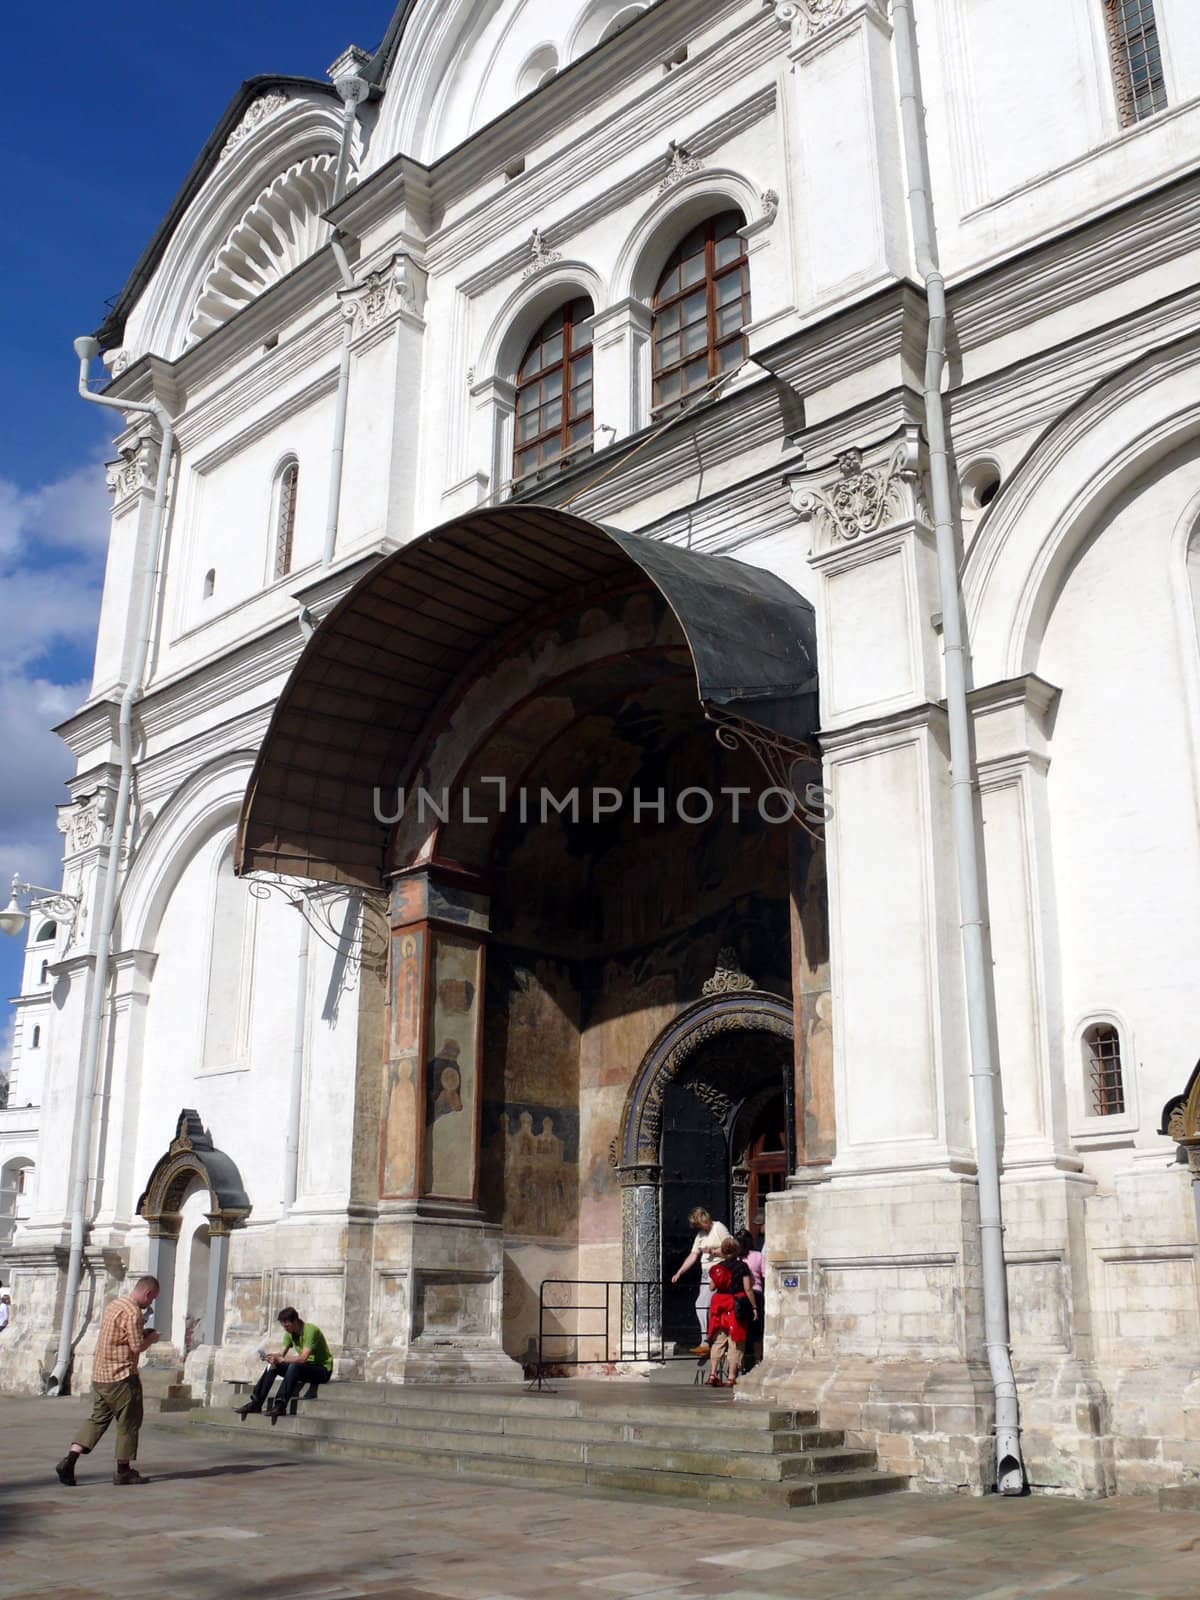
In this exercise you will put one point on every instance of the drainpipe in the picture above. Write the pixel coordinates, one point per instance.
(291, 1162)
(1010, 1471)
(353, 90)
(142, 615)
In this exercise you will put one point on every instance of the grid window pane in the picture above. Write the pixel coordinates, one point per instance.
(1136, 59)
(700, 307)
(1102, 1044)
(544, 434)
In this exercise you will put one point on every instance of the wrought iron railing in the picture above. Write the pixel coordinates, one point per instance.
(600, 1322)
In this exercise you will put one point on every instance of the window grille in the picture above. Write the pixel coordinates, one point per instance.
(1136, 59)
(701, 305)
(554, 393)
(1102, 1048)
(285, 518)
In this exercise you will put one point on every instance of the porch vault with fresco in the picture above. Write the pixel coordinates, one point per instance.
(543, 819)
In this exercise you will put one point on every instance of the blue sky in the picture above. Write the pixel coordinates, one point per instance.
(107, 111)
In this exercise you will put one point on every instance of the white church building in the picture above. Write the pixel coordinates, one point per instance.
(550, 404)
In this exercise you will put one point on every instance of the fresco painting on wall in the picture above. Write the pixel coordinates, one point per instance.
(537, 1149)
(398, 1165)
(450, 1076)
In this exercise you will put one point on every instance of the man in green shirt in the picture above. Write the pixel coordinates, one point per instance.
(305, 1358)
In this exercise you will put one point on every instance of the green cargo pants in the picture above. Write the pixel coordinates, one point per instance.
(122, 1402)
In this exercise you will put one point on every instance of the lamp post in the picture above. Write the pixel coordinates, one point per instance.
(53, 902)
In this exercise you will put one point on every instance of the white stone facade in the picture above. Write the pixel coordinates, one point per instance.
(515, 156)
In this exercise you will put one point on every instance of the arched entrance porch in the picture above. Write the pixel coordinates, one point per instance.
(532, 700)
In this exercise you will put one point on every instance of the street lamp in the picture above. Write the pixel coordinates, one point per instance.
(52, 901)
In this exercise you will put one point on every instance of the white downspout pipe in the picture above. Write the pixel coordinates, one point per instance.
(1010, 1471)
(142, 615)
(291, 1166)
(353, 90)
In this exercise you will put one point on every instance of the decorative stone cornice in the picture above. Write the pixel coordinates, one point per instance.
(255, 115)
(681, 164)
(397, 286)
(863, 497)
(540, 255)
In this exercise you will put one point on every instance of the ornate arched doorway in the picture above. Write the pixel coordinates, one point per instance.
(190, 1162)
(710, 1100)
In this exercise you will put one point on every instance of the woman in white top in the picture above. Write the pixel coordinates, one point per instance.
(706, 1248)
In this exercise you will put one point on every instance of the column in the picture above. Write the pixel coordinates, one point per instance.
(437, 1267)
(641, 1254)
(214, 1296)
(164, 1242)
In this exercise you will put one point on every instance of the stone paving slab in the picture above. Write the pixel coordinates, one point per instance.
(217, 1523)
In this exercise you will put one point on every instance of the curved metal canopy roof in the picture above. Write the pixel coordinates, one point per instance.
(373, 675)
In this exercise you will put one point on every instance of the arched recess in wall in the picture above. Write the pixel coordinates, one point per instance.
(1034, 529)
(662, 225)
(229, 981)
(601, 20)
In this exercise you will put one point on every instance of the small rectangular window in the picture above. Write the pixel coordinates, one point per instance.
(1102, 1048)
(1136, 59)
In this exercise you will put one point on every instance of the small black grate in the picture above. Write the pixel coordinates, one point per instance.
(1103, 1045)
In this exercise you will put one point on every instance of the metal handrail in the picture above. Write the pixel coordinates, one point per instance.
(631, 1329)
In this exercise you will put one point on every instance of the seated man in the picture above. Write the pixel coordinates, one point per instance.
(305, 1358)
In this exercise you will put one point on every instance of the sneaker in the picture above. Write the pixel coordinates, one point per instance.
(66, 1469)
(127, 1475)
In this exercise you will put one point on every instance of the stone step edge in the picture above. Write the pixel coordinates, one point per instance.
(792, 1491)
(829, 1459)
(712, 1435)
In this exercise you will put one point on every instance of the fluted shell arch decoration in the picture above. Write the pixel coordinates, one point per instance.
(280, 230)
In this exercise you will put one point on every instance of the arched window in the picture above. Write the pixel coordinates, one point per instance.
(47, 931)
(1102, 1062)
(44, 975)
(210, 582)
(288, 487)
(35, 1042)
(554, 393)
(701, 305)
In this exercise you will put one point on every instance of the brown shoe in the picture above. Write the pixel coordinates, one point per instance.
(66, 1469)
(128, 1475)
(700, 1350)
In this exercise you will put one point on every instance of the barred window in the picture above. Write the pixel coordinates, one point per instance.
(1136, 59)
(554, 393)
(701, 305)
(1102, 1057)
(285, 517)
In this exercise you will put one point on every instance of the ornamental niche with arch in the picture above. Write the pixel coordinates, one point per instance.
(276, 234)
(191, 1155)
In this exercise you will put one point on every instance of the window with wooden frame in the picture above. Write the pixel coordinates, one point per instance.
(701, 305)
(554, 393)
(1105, 1080)
(1136, 59)
(285, 517)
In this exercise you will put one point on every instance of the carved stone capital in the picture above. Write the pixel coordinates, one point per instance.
(399, 285)
(805, 19)
(865, 494)
(87, 824)
(134, 470)
(255, 115)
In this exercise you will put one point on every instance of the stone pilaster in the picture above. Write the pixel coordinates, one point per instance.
(437, 1267)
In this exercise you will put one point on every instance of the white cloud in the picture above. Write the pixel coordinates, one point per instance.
(52, 543)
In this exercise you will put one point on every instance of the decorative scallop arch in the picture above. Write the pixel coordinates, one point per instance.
(299, 131)
(280, 230)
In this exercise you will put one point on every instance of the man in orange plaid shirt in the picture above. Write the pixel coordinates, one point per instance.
(116, 1387)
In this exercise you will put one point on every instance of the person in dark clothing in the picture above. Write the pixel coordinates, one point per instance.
(305, 1358)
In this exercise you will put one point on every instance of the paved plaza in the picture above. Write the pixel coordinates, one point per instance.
(221, 1523)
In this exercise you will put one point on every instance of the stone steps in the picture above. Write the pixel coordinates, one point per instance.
(700, 1447)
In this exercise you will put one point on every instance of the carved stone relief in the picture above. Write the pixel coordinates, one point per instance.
(863, 498)
(255, 115)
